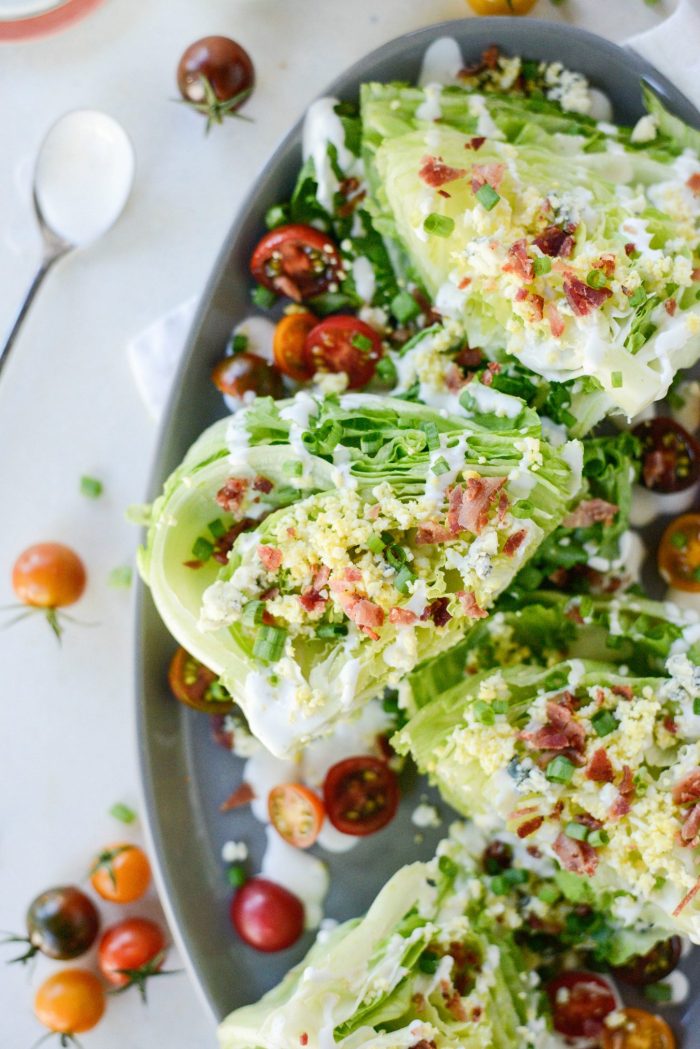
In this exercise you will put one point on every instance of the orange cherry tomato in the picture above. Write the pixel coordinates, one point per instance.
(501, 7)
(296, 813)
(121, 873)
(70, 1002)
(196, 685)
(48, 575)
(641, 1030)
(678, 557)
(288, 345)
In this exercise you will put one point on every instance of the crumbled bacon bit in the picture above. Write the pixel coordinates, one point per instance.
(223, 545)
(695, 274)
(530, 826)
(444, 193)
(271, 557)
(364, 613)
(487, 174)
(687, 790)
(514, 542)
(671, 306)
(402, 616)
(606, 263)
(193, 564)
(469, 356)
(270, 594)
(519, 262)
(353, 575)
(555, 242)
(627, 782)
(424, 1044)
(535, 302)
(503, 504)
(630, 249)
(689, 896)
(454, 378)
(464, 283)
(470, 509)
(670, 725)
(220, 733)
(475, 143)
(693, 183)
(304, 1039)
(262, 484)
(437, 611)
(560, 732)
(691, 827)
(573, 613)
(576, 856)
(312, 601)
(453, 1001)
(590, 512)
(470, 605)
(582, 298)
(435, 172)
(230, 495)
(432, 532)
(556, 321)
(625, 691)
(489, 60)
(242, 795)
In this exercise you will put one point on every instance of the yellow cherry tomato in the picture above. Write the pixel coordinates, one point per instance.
(501, 7)
(640, 1030)
(70, 1002)
(678, 555)
(121, 873)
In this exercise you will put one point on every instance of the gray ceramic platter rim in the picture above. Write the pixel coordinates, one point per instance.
(184, 774)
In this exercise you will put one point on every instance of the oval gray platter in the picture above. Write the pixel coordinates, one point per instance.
(185, 774)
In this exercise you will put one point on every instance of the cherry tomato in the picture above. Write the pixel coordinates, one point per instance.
(296, 261)
(296, 813)
(196, 685)
(288, 345)
(121, 873)
(641, 1030)
(497, 857)
(501, 7)
(580, 1002)
(62, 923)
(670, 456)
(678, 556)
(651, 967)
(344, 344)
(70, 1002)
(48, 575)
(130, 952)
(215, 76)
(266, 916)
(361, 795)
(245, 373)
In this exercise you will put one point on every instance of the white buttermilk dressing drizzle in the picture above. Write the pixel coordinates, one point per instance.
(322, 127)
(442, 62)
(299, 873)
(259, 331)
(363, 276)
(647, 505)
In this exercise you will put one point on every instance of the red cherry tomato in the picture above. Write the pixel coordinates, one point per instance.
(296, 261)
(296, 813)
(361, 795)
(130, 952)
(651, 967)
(196, 685)
(245, 373)
(670, 456)
(640, 1030)
(678, 556)
(580, 1002)
(266, 916)
(288, 345)
(344, 344)
(215, 76)
(48, 575)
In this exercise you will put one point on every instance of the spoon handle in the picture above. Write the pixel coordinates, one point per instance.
(46, 264)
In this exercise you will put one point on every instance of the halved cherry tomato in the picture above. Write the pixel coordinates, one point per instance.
(344, 344)
(361, 795)
(130, 952)
(48, 575)
(580, 1002)
(267, 916)
(70, 1002)
(678, 557)
(296, 813)
(245, 373)
(196, 685)
(296, 261)
(641, 1030)
(121, 873)
(651, 967)
(288, 345)
(501, 7)
(670, 455)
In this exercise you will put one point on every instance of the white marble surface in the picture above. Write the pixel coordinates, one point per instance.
(68, 405)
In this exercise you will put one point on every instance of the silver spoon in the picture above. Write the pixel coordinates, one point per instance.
(82, 180)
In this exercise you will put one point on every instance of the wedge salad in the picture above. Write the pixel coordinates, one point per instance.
(415, 538)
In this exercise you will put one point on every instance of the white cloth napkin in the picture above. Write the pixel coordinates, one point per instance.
(673, 47)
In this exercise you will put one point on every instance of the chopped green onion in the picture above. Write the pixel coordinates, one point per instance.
(263, 297)
(447, 867)
(696, 705)
(428, 962)
(217, 528)
(440, 466)
(91, 487)
(638, 297)
(515, 876)
(253, 612)
(585, 606)
(484, 713)
(576, 831)
(386, 370)
(375, 544)
(596, 279)
(432, 436)
(487, 196)
(329, 631)
(361, 342)
(236, 876)
(403, 577)
(541, 264)
(404, 307)
(239, 343)
(122, 812)
(500, 706)
(658, 992)
(202, 549)
(616, 380)
(439, 225)
(548, 894)
(604, 722)
(277, 215)
(269, 644)
(120, 578)
(598, 837)
(499, 885)
(396, 555)
(679, 540)
(559, 770)
(292, 468)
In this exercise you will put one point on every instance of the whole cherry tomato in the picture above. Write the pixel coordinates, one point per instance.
(267, 916)
(130, 952)
(121, 873)
(215, 76)
(245, 373)
(70, 1002)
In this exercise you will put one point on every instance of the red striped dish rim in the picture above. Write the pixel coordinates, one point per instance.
(51, 21)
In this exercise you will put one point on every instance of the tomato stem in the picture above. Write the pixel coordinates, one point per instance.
(213, 108)
(139, 977)
(105, 861)
(32, 949)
